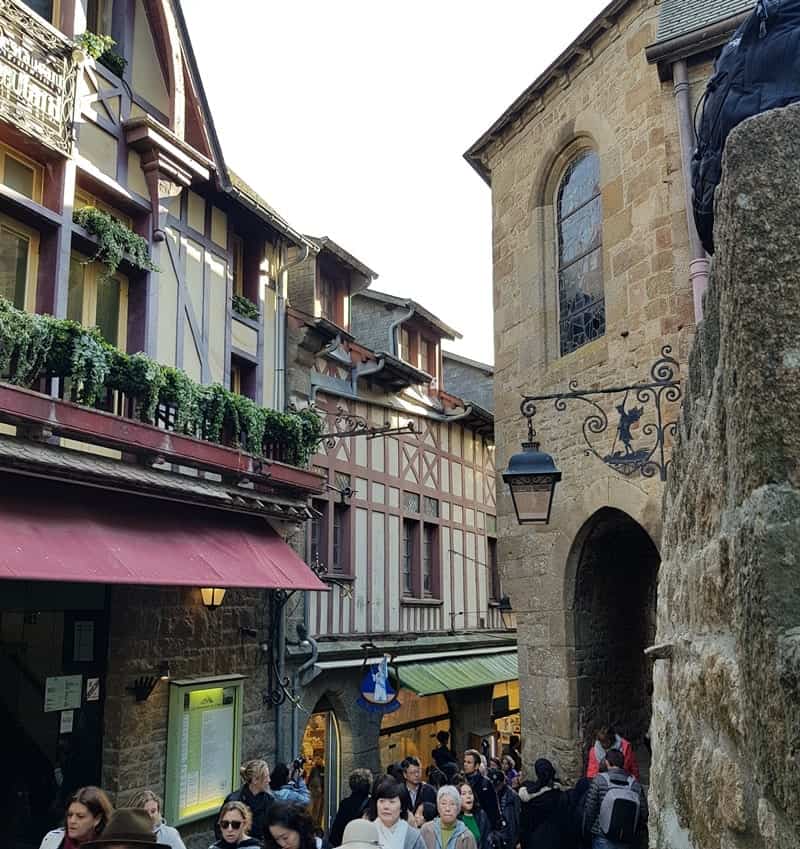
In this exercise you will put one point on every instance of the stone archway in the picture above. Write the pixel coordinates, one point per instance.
(614, 606)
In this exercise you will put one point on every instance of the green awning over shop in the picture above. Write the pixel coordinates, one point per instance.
(441, 676)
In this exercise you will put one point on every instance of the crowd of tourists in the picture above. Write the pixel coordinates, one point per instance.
(466, 803)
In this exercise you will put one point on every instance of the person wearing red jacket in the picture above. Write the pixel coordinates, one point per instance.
(605, 739)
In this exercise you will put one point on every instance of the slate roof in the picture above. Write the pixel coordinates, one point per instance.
(679, 17)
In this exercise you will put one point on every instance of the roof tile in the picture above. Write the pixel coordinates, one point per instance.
(679, 17)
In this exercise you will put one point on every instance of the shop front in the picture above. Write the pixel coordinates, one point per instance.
(412, 730)
(321, 752)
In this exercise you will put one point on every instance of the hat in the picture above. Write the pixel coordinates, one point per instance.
(360, 834)
(127, 827)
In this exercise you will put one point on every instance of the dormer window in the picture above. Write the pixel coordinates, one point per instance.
(428, 358)
(405, 345)
(327, 299)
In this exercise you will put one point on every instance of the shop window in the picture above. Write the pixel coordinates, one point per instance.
(495, 591)
(581, 301)
(95, 300)
(412, 729)
(407, 555)
(429, 559)
(19, 254)
(98, 16)
(237, 246)
(341, 519)
(21, 174)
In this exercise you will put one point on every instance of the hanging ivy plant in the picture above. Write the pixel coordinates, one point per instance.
(95, 45)
(113, 61)
(114, 240)
(139, 378)
(244, 306)
(180, 392)
(90, 367)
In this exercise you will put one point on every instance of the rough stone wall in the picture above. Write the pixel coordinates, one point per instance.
(726, 728)
(468, 382)
(370, 322)
(149, 626)
(302, 283)
(615, 103)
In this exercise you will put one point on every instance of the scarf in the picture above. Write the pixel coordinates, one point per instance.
(600, 752)
(394, 837)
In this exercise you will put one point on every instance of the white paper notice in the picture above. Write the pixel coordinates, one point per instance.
(192, 786)
(63, 692)
(67, 720)
(216, 752)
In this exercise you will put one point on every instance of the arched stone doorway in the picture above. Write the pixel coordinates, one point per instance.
(615, 566)
(321, 746)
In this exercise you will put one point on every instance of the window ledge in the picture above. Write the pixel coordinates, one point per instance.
(339, 576)
(254, 323)
(421, 602)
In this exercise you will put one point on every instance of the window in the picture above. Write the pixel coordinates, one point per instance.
(316, 535)
(340, 533)
(429, 536)
(238, 265)
(495, 592)
(405, 345)
(45, 8)
(327, 299)
(96, 300)
(581, 303)
(429, 357)
(19, 254)
(409, 532)
(430, 506)
(98, 16)
(411, 502)
(21, 174)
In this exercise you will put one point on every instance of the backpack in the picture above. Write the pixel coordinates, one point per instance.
(757, 70)
(619, 810)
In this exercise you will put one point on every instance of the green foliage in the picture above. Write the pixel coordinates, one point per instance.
(95, 45)
(114, 62)
(114, 239)
(244, 306)
(37, 346)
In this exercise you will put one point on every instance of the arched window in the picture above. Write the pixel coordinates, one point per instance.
(581, 305)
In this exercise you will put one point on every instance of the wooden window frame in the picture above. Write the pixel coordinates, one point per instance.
(36, 167)
(237, 263)
(320, 522)
(93, 271)
(340, 523)
(492, 566)
(32, 271)
(410, 559)
(429, 566)
(84, 198)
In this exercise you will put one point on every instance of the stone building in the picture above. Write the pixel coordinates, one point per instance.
(597, 267)
(406, 535)
(142, 472)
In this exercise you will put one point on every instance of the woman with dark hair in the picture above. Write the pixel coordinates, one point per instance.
(544, 821)
(353, 806)
(473, 817)
(289, 826)
(88, 812)
(443, 754)
(389, 808)
(289, 787)
(235, 822)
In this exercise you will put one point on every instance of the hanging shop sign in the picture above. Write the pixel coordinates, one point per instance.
(37, 77)
(377, 693)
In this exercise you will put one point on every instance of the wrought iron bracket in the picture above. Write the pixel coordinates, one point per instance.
(629, 453)
(348, 424)
(279, 688)
(321, 571)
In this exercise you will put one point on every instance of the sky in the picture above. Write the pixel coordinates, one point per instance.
(351, 119)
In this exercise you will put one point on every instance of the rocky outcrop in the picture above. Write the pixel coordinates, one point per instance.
(726, 724)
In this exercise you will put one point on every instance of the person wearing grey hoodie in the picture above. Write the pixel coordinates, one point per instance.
(447, 831)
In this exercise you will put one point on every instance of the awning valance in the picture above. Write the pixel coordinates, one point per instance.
(442, 676)
(63, 532)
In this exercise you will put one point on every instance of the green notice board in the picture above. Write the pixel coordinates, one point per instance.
(203, 744)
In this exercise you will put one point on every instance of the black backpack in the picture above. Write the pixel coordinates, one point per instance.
(758, 69)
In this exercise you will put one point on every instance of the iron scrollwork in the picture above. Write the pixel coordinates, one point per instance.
(279, 687)
(349, 424)
(627, 455)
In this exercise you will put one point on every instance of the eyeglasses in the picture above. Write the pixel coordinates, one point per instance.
(234, 824)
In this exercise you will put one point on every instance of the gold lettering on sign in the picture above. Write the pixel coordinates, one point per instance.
(37, 77)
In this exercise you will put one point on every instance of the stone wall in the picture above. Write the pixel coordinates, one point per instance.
(371, 321)
(726, 728)
(150, 625)
(469, 382)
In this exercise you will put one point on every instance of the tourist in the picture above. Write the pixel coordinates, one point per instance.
(418, 790)
(493, 763)
(389, 809)
(606, 739)
(151, 804)
(425, 812)
(443, 754)
(88, 812)
(395, 770)
(360, 834)
(473, 817)
(508, 769)
(436, 778)
(620, 824)
(353, 806)
(289, 787)
(481, 787)
(254, 775)
(235, 823)
(509, 804)
(544, 812)
(514, 751)
(289, 826)
(447, 831)
(127, 828)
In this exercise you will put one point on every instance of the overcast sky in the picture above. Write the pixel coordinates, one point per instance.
(351, 117)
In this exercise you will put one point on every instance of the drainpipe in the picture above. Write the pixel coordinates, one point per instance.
(699, 262)
(280, 329)
(311, 644)
(395, 324)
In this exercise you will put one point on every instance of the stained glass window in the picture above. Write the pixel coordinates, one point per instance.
(411, 502)
(581, 302)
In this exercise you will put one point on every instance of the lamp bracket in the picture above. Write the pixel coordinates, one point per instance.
(143, 687)
(348, 424)
(624, 454)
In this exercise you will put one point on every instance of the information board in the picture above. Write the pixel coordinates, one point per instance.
(203, 746)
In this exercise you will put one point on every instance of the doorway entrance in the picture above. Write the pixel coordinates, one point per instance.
(321, 748)
(615, 620)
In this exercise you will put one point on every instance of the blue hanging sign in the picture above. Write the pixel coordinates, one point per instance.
(377, 693)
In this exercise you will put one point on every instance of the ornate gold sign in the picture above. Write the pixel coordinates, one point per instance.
(37, 77)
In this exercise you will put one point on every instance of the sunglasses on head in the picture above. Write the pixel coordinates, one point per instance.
(235, 824)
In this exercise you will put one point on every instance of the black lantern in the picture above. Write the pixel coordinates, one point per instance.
(532, 477)
(506, 613)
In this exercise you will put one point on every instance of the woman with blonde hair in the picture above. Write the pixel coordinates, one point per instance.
(151, 804)
(254, 793)
(87, 814)
(235, 823)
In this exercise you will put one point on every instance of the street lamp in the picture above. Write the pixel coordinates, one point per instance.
(506, 613)
(532, 477)
(212, 596)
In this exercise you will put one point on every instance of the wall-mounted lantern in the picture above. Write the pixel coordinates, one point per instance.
(143, 686)
(212, 596)
(507, 613)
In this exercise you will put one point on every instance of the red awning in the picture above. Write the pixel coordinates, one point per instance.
(57, 532)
